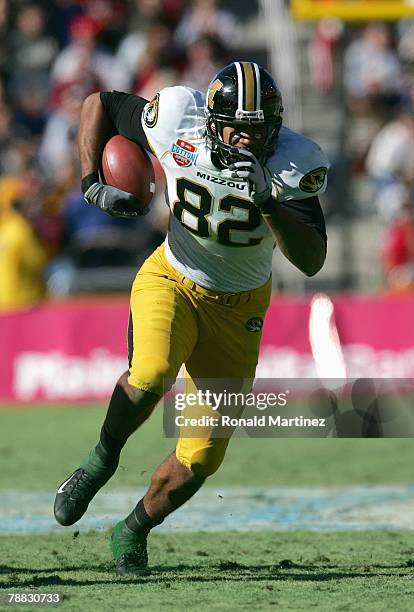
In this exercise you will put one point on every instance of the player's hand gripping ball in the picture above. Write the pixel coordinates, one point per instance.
(128, 182)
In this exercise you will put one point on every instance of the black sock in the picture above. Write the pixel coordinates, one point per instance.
(117, 426)
(139, 521)
(124, 416)
(108, 448)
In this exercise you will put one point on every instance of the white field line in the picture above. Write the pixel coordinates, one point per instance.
(230, 509)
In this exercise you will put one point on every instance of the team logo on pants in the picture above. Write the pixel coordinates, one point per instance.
(254, 325)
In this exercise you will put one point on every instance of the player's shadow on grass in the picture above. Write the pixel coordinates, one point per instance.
(12, 569)
(224, 571)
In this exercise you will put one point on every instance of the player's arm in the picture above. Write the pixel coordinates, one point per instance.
(94, 131)
(96, 127)
(124, 113)
(299, 230)
(297, 225)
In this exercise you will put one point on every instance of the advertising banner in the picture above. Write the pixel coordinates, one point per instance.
(75, 351)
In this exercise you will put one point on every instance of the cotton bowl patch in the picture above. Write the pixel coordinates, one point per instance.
(184, 153)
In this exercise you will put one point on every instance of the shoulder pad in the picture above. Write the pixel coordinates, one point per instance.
(174, 112)
(299, 167)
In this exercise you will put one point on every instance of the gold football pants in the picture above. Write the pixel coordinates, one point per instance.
(173, 322)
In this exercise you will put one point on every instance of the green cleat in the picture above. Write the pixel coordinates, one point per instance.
(74, 495)
(129, 550)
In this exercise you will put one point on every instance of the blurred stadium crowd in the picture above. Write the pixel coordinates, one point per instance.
(380, 95)
(53, 53)
(370, 67)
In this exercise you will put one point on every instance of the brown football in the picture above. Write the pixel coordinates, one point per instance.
(127, 166)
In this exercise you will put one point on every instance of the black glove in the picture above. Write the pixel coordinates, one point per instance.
(111, 200)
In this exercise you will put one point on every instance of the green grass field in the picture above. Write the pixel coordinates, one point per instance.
(294, 570)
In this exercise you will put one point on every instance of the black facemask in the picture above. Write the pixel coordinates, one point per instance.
(229, 154)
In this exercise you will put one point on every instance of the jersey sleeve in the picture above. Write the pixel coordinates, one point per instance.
(124, 112)
(170, 114)
(299, 168)
(309, 212)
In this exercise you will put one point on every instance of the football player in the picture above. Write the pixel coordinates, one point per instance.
(238, 183)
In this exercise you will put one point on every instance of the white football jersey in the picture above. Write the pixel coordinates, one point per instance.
(217, 238)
